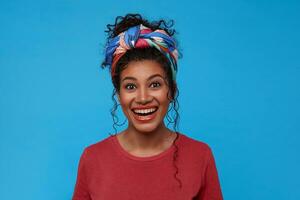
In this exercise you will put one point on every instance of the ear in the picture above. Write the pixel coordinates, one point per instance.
(175, 90)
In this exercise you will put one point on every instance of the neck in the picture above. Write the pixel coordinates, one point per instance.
(144, 141)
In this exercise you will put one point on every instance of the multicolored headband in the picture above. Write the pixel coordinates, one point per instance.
(141, 36)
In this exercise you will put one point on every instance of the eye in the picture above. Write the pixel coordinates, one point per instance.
(155, 84)
(129, 86)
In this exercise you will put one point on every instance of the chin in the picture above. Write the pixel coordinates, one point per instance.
(145, 128)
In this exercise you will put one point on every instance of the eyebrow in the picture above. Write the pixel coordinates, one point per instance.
(150, 77)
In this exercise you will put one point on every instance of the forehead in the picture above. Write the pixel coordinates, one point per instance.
(141, 70)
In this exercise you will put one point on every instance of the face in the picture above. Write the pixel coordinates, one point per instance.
(143, 95)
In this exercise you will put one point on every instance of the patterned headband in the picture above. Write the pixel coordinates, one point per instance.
(141, 36)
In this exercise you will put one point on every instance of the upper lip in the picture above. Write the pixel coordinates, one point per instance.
(144, 107)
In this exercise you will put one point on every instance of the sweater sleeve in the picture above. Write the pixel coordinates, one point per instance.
(81, 187)
(211, 189)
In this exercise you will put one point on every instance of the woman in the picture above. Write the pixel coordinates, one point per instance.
(147, 160)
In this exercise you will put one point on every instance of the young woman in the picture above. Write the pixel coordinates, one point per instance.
(147, 160)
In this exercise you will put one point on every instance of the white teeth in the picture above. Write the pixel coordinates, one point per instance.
(144, 111)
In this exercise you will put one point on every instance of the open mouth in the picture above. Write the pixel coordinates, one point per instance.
(144, 115)
(145, 112)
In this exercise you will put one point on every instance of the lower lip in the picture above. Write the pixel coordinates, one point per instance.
(146, 118)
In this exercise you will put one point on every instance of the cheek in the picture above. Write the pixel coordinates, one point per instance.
(125, 99)
(163, 98)
(125, 105)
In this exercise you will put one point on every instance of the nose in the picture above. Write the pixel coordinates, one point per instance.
(143, 96)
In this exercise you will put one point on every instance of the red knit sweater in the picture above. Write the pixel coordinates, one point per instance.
(107, 172)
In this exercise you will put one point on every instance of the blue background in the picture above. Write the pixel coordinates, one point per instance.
(238, 81)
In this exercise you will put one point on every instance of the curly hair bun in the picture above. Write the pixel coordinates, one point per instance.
(123, 23)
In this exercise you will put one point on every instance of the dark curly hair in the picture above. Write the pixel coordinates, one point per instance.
(150, 53)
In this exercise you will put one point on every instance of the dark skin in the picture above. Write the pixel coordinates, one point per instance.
(143, 83)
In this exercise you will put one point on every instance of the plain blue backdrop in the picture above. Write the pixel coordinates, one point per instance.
(238, 82)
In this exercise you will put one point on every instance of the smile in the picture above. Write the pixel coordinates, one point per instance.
(144, 115)
(144, 112)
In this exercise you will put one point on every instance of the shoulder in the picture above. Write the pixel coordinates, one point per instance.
(195, 148)
(98, 149)
(194, 144)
